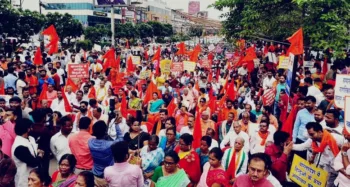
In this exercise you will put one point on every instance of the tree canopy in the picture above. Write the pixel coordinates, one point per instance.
(325, 22)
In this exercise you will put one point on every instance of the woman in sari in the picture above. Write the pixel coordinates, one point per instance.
(171, 140)
(136, 138)
(153, 108)
(135, 103)
(189, 159)
(169, 123)
(64, 176)
(151, 156)
(203, 150)
(169, 174)
(106, 101)
(214, 174)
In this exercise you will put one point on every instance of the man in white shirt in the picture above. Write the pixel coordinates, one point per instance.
(230, 138)
(259, 138)
(341, 162)
(189, 128)
(323, 158)
(101, 91)
(332, 125)
(243, 70)
(59, 142)
(313, 90)
(69, 94)
(58, 103)
(60, 72)
(268, 81)
(98, 116)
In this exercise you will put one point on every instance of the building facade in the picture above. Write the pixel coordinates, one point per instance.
(83, 10)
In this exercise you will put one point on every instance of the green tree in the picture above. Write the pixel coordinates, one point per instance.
(168, 30)
(126, 30)
(145, 30)
(67, 27)
(325, 23)
(195, 31)
(95, 33)
(158, 28)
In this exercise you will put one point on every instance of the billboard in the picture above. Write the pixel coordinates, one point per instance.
(193, 7)
(110, 2)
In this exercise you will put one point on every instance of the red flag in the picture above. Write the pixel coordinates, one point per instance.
(38, 59)
(110, 60)
(145, 54)
(72, 84)
(172, 107)
(149, 92)
(325, 66)
(231, 91)
(130, 66)
(67, 106)
(123, 107)
(195, 53)
(92, 93)
(127, 44)
(212, 101)
(296, 43)
(210, 56)
(43, 94)
(156, 56)
(197, 131)
(182, 49)
(53, 44)
(250, 54)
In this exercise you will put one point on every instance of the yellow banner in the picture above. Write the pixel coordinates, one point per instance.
(283, 62)
(136, 60)
(145, 74)
(189, 66)
(305, 174)
(165, 66)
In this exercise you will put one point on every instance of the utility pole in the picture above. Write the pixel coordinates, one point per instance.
(112, 26)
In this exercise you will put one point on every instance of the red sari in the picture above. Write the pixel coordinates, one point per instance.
(191, 164)
(217, 176)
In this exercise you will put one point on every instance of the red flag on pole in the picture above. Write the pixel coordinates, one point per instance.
(296, 43)
(172, 107)
(197, 131)
(123, 107)
(182, 49)
(72, 84)
(250, 54)
(67, 105)
(53, 44)
(231, 91)
(130, 66)
(38, 58)
(150, 90)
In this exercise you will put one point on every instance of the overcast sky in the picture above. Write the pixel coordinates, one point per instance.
(173, 4)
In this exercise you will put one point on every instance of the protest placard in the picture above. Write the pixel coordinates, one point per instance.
(341, 90)
(283, 62)
(78, 70)
(307, 175)
(205, 63)
(136, 60)
(145, 74)
(177, 67)
(189, 66)
(269, 97)
(165, 66)
(309, 64)
(97, 47)
(228, 55)
(346, 111)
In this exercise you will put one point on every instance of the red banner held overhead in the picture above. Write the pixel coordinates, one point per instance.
(269, 97)
(78, 71)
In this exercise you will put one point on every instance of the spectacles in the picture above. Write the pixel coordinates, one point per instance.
(169, 134)
(168, 163)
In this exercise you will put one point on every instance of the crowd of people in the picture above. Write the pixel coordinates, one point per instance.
(206, 127)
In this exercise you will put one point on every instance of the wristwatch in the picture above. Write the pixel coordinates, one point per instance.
(344, 153)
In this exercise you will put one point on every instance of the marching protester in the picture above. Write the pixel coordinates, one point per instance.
(172, 116)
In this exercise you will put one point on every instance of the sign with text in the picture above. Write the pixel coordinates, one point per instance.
(78, 70)
(165, 66)
(307, 175)
(341, 90)
(309, 64)
(269, 97)
(177, 66)
(205, 63)
(189, 66)
(145, 74)
(136, 60)
(290, 73)
(229, 55)
(283, 62)
(347, 109)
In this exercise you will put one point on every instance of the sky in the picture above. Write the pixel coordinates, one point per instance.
(173, 4)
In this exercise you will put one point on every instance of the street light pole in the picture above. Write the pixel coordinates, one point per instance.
(112, 26)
